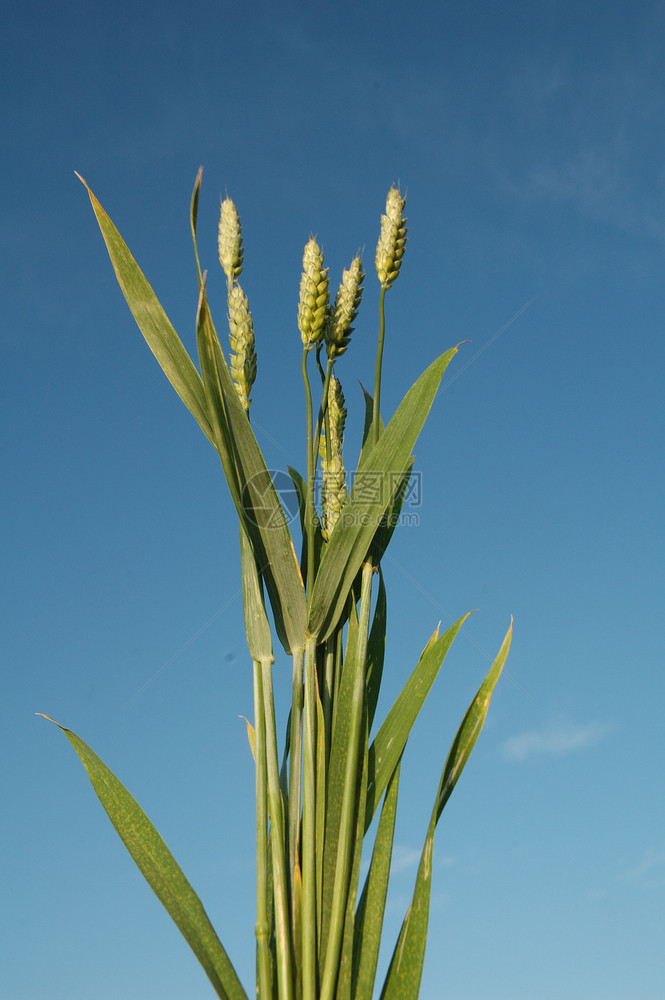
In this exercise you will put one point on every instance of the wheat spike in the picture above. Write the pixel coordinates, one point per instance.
(392, 239)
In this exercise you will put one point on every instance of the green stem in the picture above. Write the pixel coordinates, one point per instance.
(339, 659)
(323, 413)
(318, 363)
(309, 500)
(262, 930)
(376, 412)
(295, 760)
(277, 840)
(347, 826)
(328, 689)
(309, 922)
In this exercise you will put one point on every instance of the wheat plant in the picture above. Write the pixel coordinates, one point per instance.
(318, 931)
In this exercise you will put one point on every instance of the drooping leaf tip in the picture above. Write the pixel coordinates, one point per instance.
(43, 716)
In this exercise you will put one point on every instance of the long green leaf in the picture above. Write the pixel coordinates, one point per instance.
(389, 742)
(260, 506)
(372, 905)
(377, 479)
(376, 648)
(404, 974)
(336, 774)
(472, 723)
(153, 322)
(226, 427)
(369, 416)
(257, 626)
(346, 966)
(193, 218)
(390, 519)
(300, 487)
(161, 871)
(321, 781)
(219, 423)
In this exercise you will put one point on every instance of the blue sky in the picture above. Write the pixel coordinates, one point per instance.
(530, 139)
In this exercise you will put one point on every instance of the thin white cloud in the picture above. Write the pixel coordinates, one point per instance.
(405, 858)
(650, 870)
(554, 740)
(583, 143)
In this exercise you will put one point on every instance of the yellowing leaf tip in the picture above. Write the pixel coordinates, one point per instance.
(43, 716)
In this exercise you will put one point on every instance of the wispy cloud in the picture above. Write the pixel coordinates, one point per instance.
(405, 858)
(649, 872)
(554, 740)
(588, 141)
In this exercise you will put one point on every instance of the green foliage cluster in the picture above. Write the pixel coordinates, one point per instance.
(318, 931)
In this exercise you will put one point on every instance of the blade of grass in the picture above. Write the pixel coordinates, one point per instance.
(193, 218)
(301, 492)
(376, 648)
(404, 974)
(336, 773)
(390, 519)
(372, 905)
(152, 321)
(321, 780)
(262, 928)
(297, 927)
(369, 414)
(381, 465)
(267, 543)
(471, 725)
(284, 962)
(283, 579)
(160, 869)
(389, 742)
(222, 439)
(259, 504)
(308, 843)
(257, 626)
(295, 764)
(344, 776)
(345, 974)
(259, 643)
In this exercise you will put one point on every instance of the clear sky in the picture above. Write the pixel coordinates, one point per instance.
(530, 139)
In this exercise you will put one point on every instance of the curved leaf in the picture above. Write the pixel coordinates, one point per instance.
(372, 905)
(378, 477)
(252, 488)
(152, 321)
(403, 978)
(161, 870)
(376, 647)
(217, 409)
(389, 742)
(257, 626)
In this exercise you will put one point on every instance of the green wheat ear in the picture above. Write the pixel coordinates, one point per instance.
(338, 329)
(392, 239)
(333, 489)
(242, 361)
(313, 305)
(229, 241)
